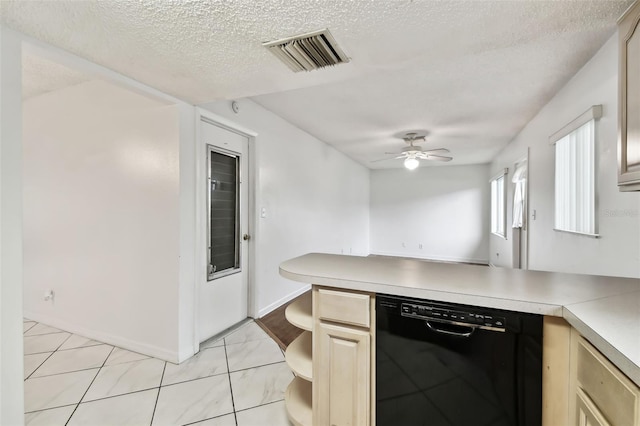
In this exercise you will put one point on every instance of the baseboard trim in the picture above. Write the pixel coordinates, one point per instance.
(432, 258)
(275, 305)
(111, 339)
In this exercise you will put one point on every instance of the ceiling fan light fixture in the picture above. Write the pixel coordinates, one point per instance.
(411, 163)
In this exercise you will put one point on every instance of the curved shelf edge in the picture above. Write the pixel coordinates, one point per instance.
(297, 399)
(298, 356)
(299, 312)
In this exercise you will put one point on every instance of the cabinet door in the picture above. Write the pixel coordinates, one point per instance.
(587, 414)
(629, 101)
(341, 376)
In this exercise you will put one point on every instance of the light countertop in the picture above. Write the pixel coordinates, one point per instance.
(606, 310)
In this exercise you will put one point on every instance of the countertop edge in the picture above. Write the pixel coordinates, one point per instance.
(443, 296)
(618, 358)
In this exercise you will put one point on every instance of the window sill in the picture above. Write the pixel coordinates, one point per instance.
(584, 234)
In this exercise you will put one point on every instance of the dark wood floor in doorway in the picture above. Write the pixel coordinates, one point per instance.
(276, 325)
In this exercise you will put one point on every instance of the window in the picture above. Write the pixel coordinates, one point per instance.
(498, 204)
(575, 175)
(224, 213)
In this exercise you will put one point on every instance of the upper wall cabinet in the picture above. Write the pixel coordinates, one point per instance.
(629, 101)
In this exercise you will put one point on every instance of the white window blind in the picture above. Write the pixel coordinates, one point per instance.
(575, 180)
(498, 203)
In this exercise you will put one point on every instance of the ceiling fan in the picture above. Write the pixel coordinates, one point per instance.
(413, 153)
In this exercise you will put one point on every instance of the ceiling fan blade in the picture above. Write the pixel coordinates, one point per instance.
(429, 151)
(393, 153)
(384, 159)
(438, 158)
(391, 158)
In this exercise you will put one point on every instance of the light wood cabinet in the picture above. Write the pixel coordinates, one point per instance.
(629, 100)
(332, 359)
(587, 414)
(341, 392)
(601, 394)
(343, 358)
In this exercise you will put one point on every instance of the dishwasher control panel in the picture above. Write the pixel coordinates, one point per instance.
(474, 319)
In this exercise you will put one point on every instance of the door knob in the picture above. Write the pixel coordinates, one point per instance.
(246, 237)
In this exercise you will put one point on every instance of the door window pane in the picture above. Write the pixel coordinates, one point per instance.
(224, 254)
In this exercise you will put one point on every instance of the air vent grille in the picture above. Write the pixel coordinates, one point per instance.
(308, 52)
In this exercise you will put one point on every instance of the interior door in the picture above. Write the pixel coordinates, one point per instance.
(223, 298)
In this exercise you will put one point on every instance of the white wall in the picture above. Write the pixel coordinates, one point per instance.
(101, 215)
(444, 209)
(617, 252)
(316, 199)
(11, 352)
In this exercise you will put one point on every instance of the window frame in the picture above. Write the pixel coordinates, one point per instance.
(211, 273)
(499, 204)
(589, 116)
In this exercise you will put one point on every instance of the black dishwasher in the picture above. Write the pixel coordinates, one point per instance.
(454, 365)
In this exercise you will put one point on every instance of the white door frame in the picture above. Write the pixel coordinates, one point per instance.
(201, 226)
(520, 238)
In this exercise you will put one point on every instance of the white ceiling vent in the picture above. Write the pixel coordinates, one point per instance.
(308, 51)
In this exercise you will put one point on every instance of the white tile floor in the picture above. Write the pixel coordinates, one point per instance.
(239, 380)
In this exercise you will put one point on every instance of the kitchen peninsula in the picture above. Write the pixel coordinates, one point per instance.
(585, 317)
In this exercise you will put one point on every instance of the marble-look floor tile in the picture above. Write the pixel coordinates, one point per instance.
(261, 385)
(77, 341)
(212, 343)
(41, 393)
(31, 362)
(52, 417)
(274, 414)
(125, 378)
(74, 360)
(44, 343)
(130, 409)
(208, 362)
(120, 356)
(27, 325)
(228, 420)
(248, 332)
(193, 401)
(253, 354)
(39, 329)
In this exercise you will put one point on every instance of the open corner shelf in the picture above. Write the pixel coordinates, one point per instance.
(298, 402)
(298, 356)
(299, 312)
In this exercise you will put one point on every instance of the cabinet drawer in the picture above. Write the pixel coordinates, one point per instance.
(611, 391)
(343, 307)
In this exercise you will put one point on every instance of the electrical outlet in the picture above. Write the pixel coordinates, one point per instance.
(420, 246)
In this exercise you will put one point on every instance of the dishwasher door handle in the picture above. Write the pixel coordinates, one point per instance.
(433, 327)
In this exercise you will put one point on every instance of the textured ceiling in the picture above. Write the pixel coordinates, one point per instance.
(470, 73)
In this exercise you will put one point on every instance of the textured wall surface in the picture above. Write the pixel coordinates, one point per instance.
(315, 199)
(101, 216)
(439, 213)
(617, 251)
